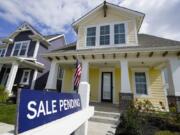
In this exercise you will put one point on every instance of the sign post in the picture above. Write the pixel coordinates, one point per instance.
(43, 113)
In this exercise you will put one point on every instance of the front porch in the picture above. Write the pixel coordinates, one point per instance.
(130, 73)
(111, 80)
(18, 72)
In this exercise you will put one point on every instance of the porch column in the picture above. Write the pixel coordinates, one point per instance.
(34, 78)
(126, 95)
(85, 71)
(174, 83)
(52, 78)
(11, 77)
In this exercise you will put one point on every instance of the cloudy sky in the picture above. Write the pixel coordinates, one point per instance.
(55, 16)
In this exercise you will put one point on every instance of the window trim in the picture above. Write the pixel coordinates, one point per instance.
(146, 71)
(21, 42)
(87, 36)
(97, 43)
(104, 35)
(28, 78)
(125, 33)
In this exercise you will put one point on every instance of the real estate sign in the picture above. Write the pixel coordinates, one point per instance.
(36, 108)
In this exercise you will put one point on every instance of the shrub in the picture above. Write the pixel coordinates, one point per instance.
(130, 123)
(3, 94)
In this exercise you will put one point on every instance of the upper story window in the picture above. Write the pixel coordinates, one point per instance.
(141, 83)
(91, 36)
(105, 35)
(119, 34)
(20, 48)
(2, 52)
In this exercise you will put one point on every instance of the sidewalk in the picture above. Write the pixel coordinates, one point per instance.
(96, 128)
(5, 128)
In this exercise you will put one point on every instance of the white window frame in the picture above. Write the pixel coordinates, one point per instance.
(95, 36)
(21, 42)
(105, 35)
(119, 33)
(97, 43)
(28, 78)
(5, 49)
(146, 71)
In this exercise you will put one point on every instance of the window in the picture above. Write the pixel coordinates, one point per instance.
(60, 73)
(2, 52)
(119, 34)
(20, 48)
(104, 35)
(91, 36)
(25, 77)
(141, 83)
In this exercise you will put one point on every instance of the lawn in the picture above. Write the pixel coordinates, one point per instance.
(8, 113)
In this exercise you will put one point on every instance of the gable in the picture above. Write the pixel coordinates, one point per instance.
(112, 13)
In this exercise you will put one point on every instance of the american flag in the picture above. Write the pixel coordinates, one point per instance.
(77, 75)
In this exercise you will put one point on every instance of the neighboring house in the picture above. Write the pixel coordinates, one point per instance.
(20, 60)
(119, 63)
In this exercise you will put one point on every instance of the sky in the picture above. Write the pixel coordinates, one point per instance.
(56, 16)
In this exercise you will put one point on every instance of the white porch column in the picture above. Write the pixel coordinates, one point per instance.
(125, 83)
(34, 79)
(174, 81)
(125, 95)
(85, 72)
(11, 77)
(52, 78)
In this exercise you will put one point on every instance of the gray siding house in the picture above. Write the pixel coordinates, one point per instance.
(21, 64)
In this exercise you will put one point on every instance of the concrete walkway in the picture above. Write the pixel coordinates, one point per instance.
(5, 128)
(97, 128)
(105, 119)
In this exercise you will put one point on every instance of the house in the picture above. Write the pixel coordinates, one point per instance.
(21, 64)
(120, 64)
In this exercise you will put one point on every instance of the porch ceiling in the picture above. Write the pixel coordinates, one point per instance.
(113, 55)
(22, 62)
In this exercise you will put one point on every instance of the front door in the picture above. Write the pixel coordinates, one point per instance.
(106, 86)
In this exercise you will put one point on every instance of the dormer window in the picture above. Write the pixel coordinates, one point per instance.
(91, 36)
(105, 35)
(20, 48)
(2, 52)
(119, 34)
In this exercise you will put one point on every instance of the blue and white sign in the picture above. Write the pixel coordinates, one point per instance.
(37, 108)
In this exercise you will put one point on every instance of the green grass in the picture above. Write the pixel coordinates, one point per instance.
(8, 113)
(166, 133)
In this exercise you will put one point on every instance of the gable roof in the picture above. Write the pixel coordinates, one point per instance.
(134, 12)
(25, 26)
(145, 41)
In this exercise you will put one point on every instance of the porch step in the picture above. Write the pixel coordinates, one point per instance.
(107, 114)
(106, 120)
(105, 117)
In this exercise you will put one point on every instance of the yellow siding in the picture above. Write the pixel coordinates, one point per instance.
(113, 16)
(156, 92)
(94, 83)
(117, 84)
(68, 80)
